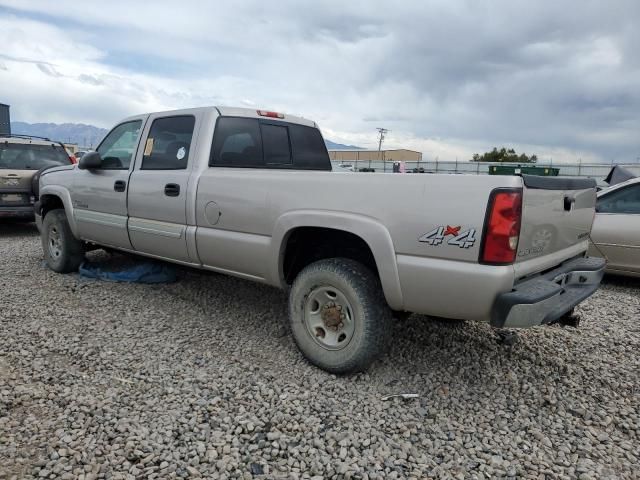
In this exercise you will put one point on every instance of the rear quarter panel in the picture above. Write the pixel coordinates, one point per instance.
(251, 203)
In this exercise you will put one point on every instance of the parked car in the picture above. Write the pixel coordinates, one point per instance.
(22, 159)
(250, 193)
(344, 167)
(78, 155)
(616, 228)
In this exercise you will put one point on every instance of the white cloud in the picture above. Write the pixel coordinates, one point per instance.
(447, 78)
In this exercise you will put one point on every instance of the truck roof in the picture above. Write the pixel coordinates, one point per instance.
(245, 112)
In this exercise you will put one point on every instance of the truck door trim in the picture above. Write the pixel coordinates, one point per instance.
(164, 229)
(100, 218)
(622, 245)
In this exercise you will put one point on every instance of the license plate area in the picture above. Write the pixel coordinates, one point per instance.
(561, 279)
(573, 278)
(14, 198)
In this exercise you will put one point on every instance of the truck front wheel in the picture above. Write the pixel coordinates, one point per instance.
(62, 251)
(338, 315)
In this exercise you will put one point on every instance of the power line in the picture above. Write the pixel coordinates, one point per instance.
(381, 133)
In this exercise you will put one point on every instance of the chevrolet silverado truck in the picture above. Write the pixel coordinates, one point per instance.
(251, 193)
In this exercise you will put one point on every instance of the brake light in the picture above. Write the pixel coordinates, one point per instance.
(502, 227)
(265, 113)
(73, 159)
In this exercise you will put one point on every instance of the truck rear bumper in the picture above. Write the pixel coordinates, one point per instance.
(16, 212)
(547, 297)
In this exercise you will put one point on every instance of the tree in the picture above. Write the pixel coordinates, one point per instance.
(504, 155)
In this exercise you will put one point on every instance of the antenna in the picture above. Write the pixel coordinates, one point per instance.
(381, 133)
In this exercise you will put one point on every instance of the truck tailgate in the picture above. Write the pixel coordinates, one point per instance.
(557, 214)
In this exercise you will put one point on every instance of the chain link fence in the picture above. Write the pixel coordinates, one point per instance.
(598, 171)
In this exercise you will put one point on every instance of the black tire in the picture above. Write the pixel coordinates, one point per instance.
(62, 251)
(369, 318)
(401, 316)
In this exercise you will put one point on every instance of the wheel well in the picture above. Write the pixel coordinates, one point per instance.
(48, 203)
(306, 245)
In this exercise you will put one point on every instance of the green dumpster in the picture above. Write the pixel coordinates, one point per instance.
(526, 170)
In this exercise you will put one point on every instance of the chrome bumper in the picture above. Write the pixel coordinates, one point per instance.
(547, 297)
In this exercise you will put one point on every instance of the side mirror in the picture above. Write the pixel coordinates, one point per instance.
(90, 161)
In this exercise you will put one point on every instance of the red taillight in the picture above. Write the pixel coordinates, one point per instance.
(265, 113)
(502, 229)
(73, 159)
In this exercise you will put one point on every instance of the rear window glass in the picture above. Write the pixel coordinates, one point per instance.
(275, 141)
(309, 149)
(22, 156)
(249, 142)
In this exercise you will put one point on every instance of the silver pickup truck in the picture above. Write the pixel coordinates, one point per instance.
(251, 193)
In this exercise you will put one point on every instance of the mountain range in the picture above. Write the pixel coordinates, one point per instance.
(339, 146)
(78, 133)
(89, 136)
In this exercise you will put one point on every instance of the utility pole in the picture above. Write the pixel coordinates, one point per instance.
(381, 133)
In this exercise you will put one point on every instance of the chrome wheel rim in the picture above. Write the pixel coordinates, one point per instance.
(55, 242)
(329, 318)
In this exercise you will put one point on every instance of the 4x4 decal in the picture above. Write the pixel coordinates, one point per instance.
(438, 235)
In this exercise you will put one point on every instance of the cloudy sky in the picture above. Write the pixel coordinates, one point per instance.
(448, 78)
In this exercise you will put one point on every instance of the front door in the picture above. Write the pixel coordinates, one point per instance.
(616, 228)
(158, 187)
(99, 195)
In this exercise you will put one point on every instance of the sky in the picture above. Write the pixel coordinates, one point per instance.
(449, 78)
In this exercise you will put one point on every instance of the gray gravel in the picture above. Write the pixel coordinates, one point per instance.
(199, 379)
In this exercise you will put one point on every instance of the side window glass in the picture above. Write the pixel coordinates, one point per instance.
(168, 143)
(309, 150)
(118, 146)
(237, 143)
(625, 200)
(275, 141)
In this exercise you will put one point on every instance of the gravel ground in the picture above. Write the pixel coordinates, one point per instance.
(199, 379)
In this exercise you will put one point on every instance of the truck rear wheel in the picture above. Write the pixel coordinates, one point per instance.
(338, 315)
(62, 251)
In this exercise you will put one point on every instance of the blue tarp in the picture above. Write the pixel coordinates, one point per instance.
(144, 272)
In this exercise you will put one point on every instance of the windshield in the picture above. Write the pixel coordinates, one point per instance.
(23, 156)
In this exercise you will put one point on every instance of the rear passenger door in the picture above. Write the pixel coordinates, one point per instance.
(158, 187)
